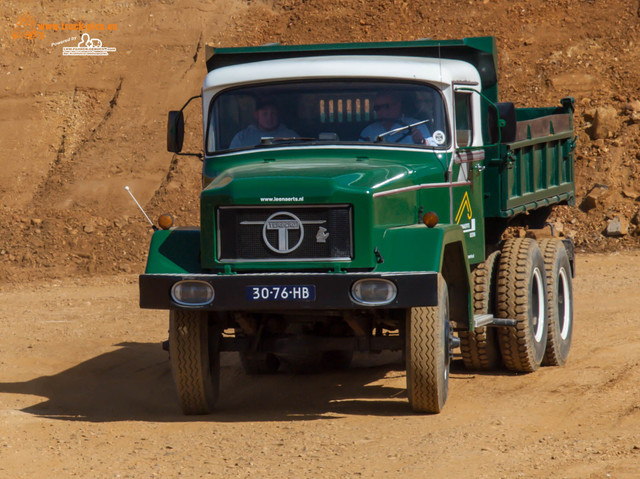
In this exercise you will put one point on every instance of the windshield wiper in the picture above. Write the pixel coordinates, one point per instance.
(380, 137)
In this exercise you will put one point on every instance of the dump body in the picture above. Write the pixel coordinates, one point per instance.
(536, 169)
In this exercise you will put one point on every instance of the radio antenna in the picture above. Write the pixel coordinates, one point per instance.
(141, 209)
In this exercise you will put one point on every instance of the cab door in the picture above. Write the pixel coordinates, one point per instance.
(467, 168)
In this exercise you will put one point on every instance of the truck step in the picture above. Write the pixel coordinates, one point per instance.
(480, 320)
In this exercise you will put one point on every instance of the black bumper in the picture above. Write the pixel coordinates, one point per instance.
(332, 290)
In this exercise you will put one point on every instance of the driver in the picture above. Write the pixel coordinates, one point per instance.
(388, 109)
(267, 124)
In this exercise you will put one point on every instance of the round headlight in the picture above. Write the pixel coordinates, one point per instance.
(192, 293)
(374, 291)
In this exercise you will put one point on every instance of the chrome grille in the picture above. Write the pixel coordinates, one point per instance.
(284, 233)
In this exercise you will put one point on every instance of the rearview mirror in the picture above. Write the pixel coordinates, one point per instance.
(175, 131)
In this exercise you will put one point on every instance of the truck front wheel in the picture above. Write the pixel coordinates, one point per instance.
(521, 294)
(195, 360)
(428, 354)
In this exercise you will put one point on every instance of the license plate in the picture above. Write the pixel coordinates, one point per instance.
(301, 292)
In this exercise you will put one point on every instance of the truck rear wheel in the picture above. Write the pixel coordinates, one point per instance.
(560, 297)
(428, 354)
(195, 360)
(480, 350)
(521, 294)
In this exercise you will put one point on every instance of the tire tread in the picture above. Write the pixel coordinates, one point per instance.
(479, 348)
(512, 280)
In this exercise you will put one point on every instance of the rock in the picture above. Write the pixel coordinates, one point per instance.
(636, 218)
(539, 234)
(633, 109)
(594, 197)
(89, 229)
(606, 123)
(629, 193)
(616, 227)
(558, 228)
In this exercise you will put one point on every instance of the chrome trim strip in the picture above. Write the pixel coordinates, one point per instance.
(421, 187)
(275, 260)
(468, 156)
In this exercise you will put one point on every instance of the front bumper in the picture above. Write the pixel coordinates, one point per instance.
(332, 290)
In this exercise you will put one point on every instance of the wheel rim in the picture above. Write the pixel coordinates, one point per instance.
(564, 304)
(536, 306)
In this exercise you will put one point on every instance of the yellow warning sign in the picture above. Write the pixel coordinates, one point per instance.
(465, 205)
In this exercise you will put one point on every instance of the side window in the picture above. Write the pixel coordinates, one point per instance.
(464, 130)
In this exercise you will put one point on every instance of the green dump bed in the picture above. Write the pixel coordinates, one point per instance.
(535, 170)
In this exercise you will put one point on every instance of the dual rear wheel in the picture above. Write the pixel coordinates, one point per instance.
(531, 283)
(521, 294)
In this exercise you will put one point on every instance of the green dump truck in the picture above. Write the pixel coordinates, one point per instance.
(355, 198)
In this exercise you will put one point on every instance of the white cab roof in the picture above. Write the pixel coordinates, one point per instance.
(432, 70)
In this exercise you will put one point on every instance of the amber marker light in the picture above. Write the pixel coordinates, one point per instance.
(430, 219)
(165, 221)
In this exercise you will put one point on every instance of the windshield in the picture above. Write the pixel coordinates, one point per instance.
(328, 112)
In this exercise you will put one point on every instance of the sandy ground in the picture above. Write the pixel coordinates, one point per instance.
(86, 391)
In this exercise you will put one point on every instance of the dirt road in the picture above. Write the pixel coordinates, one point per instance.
(86, 391)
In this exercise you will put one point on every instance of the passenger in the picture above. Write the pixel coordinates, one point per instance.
(267, 125)
(388, 109)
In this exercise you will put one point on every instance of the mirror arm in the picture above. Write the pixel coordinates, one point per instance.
(189, 101)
